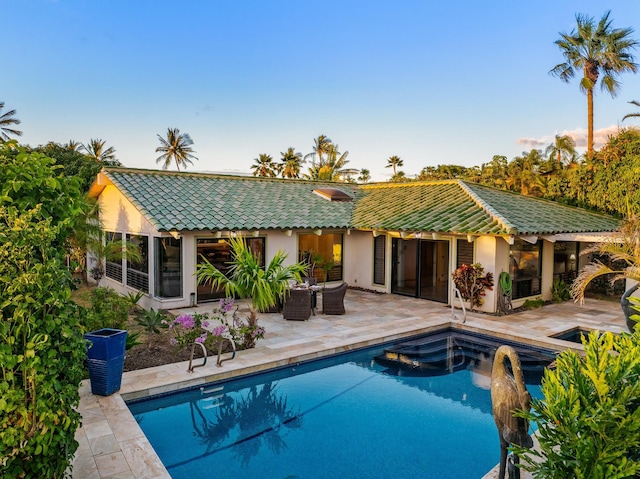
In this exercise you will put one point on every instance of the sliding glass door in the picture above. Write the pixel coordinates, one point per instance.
(420, 268)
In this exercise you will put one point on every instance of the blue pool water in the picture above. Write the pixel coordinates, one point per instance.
(351, 416)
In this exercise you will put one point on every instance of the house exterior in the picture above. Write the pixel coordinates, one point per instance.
(403, 238)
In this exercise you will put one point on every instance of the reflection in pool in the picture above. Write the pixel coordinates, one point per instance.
(353, 415)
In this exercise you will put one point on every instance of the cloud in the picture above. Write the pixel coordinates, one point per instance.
(579, 135)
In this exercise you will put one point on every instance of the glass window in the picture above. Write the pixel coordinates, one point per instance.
(379, 243)
(525, 260)
(138, 272)
(565, 260)
(113, 265)
(324, 253)
(218, 253)
(168, 267)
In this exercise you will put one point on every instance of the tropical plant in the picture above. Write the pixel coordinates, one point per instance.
(42, 350)
(560, 291)
(394, 162)
(593, 49)
(133, 298)
(247, 279)
(199, 328)
(291, 163)
(96, 150)
(108, 310)
(588, 420)
(622, 249)
(472, 282)
(133, 340)
(562, 150)
(7, 120)
(264, 166)
(632, 115)
(153, 322)
(365, 176)
(175, 148)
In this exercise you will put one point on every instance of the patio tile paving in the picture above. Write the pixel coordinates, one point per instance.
(112, 445)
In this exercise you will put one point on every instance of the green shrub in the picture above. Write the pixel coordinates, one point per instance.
(152, 321)
(41, 346)
(589, 418)
(560, 291)
(108, 310)
(533, 303)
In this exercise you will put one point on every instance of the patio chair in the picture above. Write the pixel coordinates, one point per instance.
(333, 299)
(297, 305)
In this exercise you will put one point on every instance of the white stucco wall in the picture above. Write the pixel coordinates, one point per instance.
(358, 254)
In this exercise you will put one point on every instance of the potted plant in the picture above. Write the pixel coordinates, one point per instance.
(624, 249)
(471, 281)
(247, 279)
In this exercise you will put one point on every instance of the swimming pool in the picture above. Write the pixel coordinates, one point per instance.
(354, 415)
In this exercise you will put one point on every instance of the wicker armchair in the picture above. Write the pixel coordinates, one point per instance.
(297, 305)
(333, 299)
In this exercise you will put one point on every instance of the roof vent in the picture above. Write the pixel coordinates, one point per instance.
(333, 194)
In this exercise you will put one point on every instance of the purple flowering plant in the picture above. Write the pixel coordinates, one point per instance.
(222, 324)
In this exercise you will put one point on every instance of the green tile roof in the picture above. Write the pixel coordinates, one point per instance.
(192, 201)
(195, 201)
(463, 207)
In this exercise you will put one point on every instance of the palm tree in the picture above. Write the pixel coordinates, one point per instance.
(365, 176)
(632, 115)
(394, 162)
(176, 147)
(247, 279)
(291, 163)
(264, 166)
(6, 120)
(320, 148)
(594, 49)
(96, 150)
(73, 145)
(563, 150)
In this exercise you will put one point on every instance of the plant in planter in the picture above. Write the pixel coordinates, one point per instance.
(247, 279)
(588, 421)
(624, 249)
(472, 282)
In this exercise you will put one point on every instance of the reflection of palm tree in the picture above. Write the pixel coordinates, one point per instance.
(260, 416)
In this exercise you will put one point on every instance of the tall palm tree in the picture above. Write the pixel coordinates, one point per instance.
(96, 150)
(394, 162)
(594, 49)
(264, 166)
(562, 150)
(291, 163)
(632, 115)
(6, 121)
(176, 147)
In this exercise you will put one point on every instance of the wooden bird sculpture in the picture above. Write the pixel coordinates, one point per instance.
(509, 393)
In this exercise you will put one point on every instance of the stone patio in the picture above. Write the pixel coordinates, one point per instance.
(113, 446)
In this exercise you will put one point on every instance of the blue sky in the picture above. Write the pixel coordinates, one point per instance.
(452, 82)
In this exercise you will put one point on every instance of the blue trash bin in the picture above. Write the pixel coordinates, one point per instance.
(105, 357)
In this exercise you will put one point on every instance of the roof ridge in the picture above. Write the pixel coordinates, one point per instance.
(203, 174)
(406, 183)
(489, 209)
